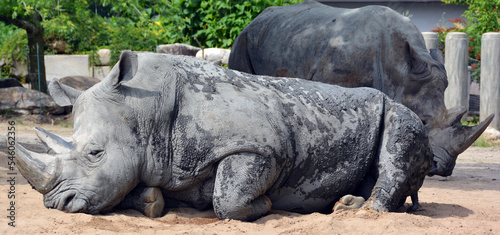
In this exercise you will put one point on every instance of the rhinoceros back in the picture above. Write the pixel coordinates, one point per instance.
(346, 47)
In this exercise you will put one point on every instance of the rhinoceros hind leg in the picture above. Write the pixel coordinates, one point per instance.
(348, 202)
(240, 184)
(147, 200)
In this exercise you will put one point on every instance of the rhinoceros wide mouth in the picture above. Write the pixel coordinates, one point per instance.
(443, 163)
(69, 202)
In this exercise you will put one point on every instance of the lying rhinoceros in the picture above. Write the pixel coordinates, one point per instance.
(169, 130)
(372, 46)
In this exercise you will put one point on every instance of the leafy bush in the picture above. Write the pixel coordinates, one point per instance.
(13, 46)
(138, 25)
(483, 17)
(214, 23)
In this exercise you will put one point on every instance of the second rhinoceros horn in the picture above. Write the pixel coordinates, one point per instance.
(53, 143)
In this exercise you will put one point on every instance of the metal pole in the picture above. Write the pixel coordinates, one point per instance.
(39, 83)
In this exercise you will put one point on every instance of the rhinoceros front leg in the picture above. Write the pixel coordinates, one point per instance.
(404, 160)
(147, 200)
(240, 183)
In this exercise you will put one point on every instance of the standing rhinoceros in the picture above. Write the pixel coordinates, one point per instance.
(372, 46)
(169, 130)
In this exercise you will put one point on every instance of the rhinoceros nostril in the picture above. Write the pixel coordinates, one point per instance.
(67, 202)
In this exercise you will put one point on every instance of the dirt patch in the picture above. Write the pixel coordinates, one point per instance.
(464, 203)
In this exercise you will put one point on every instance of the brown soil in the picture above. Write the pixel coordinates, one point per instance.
(464, 203)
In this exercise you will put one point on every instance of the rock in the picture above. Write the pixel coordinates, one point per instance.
(9, 82)
(59, 46)
(178, 49)
(80, 83)
(215, 55)
(20, 69)
(27, 101)
(104, 56)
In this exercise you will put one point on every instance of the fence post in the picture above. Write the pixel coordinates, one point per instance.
(456, 62)
(431, 40)
(490, 78)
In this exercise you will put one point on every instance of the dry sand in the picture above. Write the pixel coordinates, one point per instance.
(465, 203)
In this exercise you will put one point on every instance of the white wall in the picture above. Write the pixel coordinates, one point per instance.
(426, 14)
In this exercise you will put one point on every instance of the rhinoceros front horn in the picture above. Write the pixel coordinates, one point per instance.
(464, 136)
(39, 169)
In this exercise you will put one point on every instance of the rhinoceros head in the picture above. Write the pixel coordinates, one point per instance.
(93, 170)
(424, 94)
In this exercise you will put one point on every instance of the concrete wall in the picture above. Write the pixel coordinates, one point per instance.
(59, 66)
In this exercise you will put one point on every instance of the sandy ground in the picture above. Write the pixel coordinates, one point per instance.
(465, 203)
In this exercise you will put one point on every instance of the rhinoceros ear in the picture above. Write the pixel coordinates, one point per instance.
(124, 70)
(62, 94)
(419, 67)
(437, 55)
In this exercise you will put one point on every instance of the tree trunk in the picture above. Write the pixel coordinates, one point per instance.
(36, 63)
(36, 60)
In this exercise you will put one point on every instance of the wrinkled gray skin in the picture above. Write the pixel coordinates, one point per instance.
(372, 46)
(210, 136)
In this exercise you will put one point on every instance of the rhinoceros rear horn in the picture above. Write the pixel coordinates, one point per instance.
(54, 143)
(454, 115)
(39, 169)
(62, 94)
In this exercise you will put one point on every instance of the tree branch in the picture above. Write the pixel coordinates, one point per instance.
(23, 24)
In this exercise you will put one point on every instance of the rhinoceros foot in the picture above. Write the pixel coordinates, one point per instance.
(348, 202)
(153, 201)
(415, 204)
(147, 200)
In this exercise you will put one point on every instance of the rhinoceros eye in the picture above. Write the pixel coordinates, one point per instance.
(96, 152)
(95, 155)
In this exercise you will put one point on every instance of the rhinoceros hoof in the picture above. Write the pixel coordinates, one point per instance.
(154, 202)
(348, 202)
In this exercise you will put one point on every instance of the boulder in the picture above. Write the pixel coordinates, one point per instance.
(20, 69)
(9, 82)
(27, 101)
(59, 46)
(104, 56)
(80, 83)
(178, 49)
(215, 55)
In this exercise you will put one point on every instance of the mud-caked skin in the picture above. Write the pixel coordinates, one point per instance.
(371, 46)
(209, 136)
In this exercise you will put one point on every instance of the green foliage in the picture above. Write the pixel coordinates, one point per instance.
(483, 17)
(139, 25)
(473, 122)
(214, 23)
(483, 142)
(13, 46)
(64, 124)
